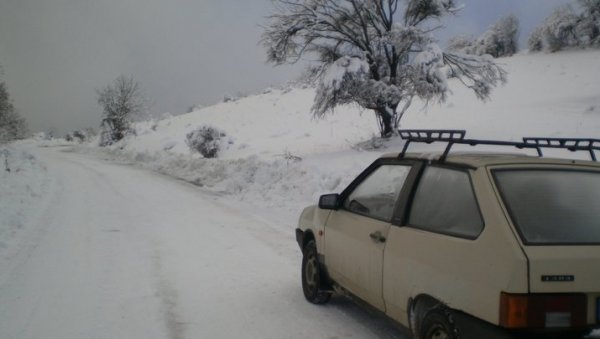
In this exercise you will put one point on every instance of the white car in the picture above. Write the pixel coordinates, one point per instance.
(478, 246)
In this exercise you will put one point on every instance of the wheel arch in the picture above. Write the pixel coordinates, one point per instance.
(417, 307)
(468, 325)
(327, 283)
(308, 236)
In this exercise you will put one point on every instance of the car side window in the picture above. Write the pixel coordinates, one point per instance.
(445, 203)
(376, 195)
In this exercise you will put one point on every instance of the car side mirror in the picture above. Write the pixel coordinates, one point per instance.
(329, 202)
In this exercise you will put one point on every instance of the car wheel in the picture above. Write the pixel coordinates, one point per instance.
(438, 324)
(311, 276)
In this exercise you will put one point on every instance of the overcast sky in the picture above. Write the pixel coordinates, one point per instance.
(56, 53)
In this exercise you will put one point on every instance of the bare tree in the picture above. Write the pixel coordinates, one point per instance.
(379, 54)
(121, 102)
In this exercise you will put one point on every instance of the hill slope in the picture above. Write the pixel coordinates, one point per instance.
(279, 155)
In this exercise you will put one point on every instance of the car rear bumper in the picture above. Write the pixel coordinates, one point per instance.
(472, 327)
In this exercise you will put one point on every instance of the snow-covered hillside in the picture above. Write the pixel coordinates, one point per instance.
(277, 149)
(546, 94)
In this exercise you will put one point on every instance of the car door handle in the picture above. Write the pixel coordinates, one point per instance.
(377, 236)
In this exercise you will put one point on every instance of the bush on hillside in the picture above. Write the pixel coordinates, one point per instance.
(556, 33)
(500, 40)
(566, 28)
(207, 140)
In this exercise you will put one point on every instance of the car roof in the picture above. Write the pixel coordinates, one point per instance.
(482, 159)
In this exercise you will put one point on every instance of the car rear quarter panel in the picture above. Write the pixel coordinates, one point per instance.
(466, 275)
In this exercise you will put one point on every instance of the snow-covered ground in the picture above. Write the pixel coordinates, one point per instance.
(91, 248)
(23, 183)
(112, 251)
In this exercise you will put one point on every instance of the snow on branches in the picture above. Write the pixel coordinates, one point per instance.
(379, 54)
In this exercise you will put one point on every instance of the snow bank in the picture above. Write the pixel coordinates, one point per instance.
(22, 183)
(287, 182)
(272, 158)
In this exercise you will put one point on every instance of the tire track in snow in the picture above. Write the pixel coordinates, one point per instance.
(168, 297)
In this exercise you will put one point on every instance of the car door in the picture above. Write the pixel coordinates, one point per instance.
(355, 234)
(435, 250)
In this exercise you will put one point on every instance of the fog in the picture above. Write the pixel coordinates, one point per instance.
(55, 53)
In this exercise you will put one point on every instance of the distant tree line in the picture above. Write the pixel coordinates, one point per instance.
(80, 135)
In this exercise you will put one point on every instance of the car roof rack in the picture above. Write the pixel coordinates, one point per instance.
(452, 137)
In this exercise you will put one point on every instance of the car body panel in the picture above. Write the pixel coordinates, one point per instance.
(313, 219)
(353, 259)
(421, 262)
(564, 269)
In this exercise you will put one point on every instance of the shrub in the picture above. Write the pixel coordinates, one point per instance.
(567, 28)
(206, 140)
(500, 40)
(79, 135)
(121, 102)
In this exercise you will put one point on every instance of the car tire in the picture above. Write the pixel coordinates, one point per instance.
(438, 324)
(312, 276)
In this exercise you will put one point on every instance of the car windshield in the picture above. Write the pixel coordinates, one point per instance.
(550, 206)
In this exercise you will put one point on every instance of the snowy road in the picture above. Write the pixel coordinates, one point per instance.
(117, 252)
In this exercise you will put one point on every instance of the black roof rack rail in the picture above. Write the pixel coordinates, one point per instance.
(452, 137)
(572, 144)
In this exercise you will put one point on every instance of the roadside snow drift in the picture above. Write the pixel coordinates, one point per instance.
(23, 181)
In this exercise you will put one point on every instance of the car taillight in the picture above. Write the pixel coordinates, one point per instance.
(542, 310)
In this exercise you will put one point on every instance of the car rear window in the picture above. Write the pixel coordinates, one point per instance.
(553, 206)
